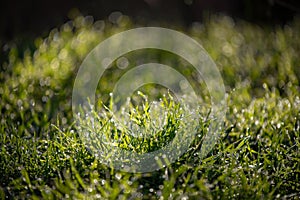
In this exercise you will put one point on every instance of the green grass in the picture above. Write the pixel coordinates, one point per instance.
(257, 157)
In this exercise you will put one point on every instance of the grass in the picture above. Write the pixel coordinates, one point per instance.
(258, 156)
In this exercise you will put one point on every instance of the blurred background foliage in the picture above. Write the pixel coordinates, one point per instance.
(21, 22)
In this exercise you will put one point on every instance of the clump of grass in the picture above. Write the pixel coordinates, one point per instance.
(42, 154)
(123, 138)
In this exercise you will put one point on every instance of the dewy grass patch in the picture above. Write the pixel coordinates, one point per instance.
(257, 157)
(154, 133)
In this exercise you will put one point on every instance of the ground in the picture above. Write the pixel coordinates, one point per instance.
(257, 156)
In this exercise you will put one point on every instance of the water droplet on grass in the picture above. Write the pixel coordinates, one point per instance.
(118, 176)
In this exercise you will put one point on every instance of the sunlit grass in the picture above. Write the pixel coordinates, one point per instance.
(42, 154)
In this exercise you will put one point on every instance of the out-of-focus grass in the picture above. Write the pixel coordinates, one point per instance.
(257, 157)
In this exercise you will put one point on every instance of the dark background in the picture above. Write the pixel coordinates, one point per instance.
(25, 20)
